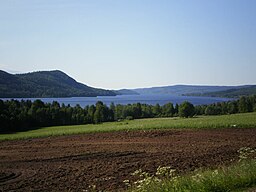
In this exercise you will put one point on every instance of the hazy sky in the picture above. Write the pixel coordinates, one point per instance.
(132, 43)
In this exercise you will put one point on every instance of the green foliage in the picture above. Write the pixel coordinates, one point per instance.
(25, 115)
(102, 113)
(242, 105)
(186, 109)
(157, 111)
(168, 110)
(245, 120)
(211, 110)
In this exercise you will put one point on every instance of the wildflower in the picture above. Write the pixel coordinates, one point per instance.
(245, 152)
(165, 171)
(137, 172)
(198, 177)
(215, 173)
(127, 183)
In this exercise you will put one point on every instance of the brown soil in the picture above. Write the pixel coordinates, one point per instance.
(76, 163)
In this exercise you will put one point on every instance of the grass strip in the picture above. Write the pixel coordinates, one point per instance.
(243, 120)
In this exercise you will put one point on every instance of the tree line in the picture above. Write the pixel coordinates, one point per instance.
(24, 115)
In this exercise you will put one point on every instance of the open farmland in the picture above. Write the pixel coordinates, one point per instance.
(242, 120)
(104, 160)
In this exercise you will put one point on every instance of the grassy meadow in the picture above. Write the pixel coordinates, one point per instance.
(243, 120)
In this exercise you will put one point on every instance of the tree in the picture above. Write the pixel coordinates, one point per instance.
(176, 109)
(200, 109)
(210, 110)
(186, 109)
(157, 110)
(244, 105)
(111, 112)
(232, 107)
(101, 113)
(147, 111)
(119, 112)
(137, 111)
(24, 115)
(90, 114)
(168, 110)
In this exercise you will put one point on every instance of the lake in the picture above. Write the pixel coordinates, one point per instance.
(130, 99)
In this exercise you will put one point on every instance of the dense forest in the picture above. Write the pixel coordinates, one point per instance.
(45, 84)
(24, 115)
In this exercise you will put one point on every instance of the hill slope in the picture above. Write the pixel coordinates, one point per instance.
(236, 92)
(184, 89)
(125, 92)
(45, 84)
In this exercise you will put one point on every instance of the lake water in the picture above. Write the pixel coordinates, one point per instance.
(130, 99)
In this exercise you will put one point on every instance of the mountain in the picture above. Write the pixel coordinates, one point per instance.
(125, 92)
(45, 84)
(58, 84)
(235, 92)
(184, 89)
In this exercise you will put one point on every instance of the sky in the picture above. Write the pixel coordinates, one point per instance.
(116, 44)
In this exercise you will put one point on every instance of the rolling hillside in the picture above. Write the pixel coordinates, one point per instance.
(232, 93)
(45, 84)
(125, 92)
(184, 89)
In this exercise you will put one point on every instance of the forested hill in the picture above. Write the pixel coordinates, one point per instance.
(45, 84)
(232, 93)
(125, 92)
(185, 89)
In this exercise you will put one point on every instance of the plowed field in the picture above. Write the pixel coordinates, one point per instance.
(74, 163)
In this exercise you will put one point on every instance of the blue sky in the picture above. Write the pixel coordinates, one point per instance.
(132, 43)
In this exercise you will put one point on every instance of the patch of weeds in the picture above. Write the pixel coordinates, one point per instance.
(240, 175)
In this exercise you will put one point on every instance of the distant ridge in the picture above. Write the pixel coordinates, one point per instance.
(125, 92)
(58, 84)
(199, 90)
(45, 84)
(235, 92)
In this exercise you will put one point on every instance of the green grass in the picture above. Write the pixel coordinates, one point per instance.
(240, 176)
(237, 177)
(245, 120)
